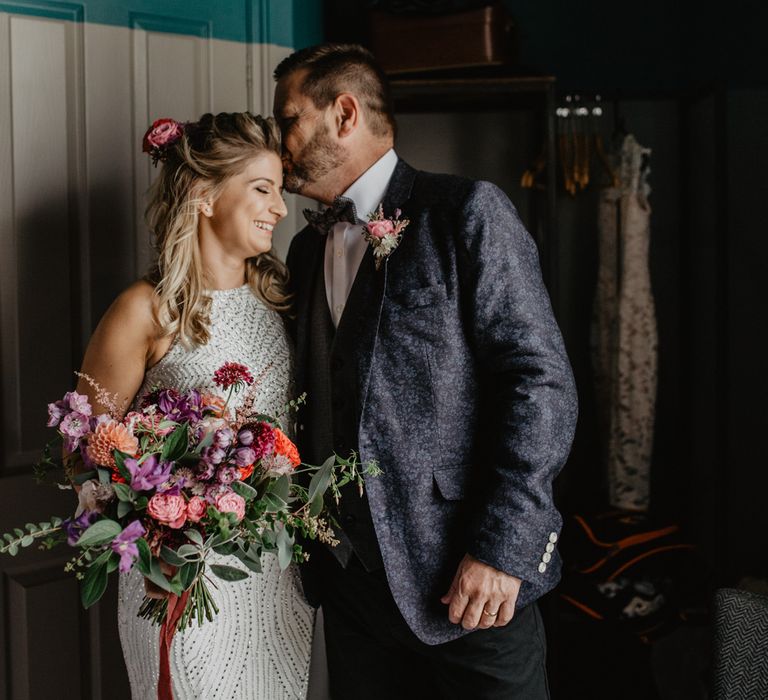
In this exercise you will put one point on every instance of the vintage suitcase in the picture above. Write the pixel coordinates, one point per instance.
(405, 43)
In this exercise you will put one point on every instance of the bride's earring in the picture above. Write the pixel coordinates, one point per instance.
(207, 210)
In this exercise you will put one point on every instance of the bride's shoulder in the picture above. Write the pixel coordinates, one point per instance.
(133, 308)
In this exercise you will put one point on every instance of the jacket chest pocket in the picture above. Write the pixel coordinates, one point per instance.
(420, 297)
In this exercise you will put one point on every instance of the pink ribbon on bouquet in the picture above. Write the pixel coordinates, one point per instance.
(176, 607)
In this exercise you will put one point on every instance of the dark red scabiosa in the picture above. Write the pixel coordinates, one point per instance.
(232, 374)
(259, 437)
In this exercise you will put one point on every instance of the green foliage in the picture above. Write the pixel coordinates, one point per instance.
(101, 532)
(95, 580)
(12, 542)
(228, 573)
(175, 447)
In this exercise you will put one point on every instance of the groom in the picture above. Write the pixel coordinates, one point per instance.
(443, 362)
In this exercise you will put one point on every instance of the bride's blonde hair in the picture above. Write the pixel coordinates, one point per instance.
(195, 169)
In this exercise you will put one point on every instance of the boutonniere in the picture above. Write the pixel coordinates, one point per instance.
(384, 233)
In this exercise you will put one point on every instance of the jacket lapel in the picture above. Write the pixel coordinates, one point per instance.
(359, 324)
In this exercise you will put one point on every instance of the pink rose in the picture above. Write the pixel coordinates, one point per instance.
(380, 229)
(196, 509)
(162, 133)
(230, 502)
(168, 509)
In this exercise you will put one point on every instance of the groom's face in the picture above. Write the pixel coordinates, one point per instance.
(310, 151)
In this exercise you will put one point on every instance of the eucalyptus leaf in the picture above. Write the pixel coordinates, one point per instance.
(254, 566)
(187, 574)
(123, 508)
(228, 573)
(225, 549)
(105, 476)
(101, 532)
(171, 557)
(321, 478)
(157, 576)
(124, 492)
(281, 487)
(27, 540)
(187, 551)
(244, 490)
(284, 548)
(273, 503)
(194, 536)
(316, 506)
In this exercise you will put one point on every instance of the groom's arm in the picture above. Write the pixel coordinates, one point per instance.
(520, 351)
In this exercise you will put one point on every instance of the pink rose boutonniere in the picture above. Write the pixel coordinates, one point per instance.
(384, 233)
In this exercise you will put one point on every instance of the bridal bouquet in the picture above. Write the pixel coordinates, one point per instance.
(181, 476)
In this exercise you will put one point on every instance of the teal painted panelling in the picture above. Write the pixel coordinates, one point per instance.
(308, 27)
(293, 23)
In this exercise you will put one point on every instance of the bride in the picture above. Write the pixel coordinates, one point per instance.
(216, 295)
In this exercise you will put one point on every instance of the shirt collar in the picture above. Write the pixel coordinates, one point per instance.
(368, 191)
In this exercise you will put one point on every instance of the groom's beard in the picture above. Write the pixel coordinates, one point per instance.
(319, 157)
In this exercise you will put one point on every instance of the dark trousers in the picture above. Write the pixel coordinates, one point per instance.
(372, 653)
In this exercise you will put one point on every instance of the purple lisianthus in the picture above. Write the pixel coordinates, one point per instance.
(180, 407)
(56, 411)
(75, 527)
(226, 475)
(260, 437)
(149, 474)
(125, 545)
(245, 437)
(213, 455)
(223, 438)
(205, 471)
(73, 427)
(78, 402)
(245, 456)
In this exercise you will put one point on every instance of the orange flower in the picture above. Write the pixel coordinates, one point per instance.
(245, 472)
(214, 402)
(108, 436)
(284, 446)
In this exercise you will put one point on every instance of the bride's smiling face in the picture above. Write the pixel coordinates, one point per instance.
(242, 218)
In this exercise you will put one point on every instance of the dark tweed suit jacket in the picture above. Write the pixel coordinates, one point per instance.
(464, 394)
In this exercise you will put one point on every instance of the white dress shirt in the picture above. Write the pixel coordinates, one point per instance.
(345, 246)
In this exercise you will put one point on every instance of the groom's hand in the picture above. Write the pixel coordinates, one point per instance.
(481, 596)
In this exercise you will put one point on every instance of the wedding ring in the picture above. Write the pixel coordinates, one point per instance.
(490, 614)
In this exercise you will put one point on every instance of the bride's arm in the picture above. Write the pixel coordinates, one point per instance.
(124, 344)
(121, 347)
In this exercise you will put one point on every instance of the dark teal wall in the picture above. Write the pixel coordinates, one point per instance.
(294, 23)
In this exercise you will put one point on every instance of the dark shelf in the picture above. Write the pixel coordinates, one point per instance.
(441, 94)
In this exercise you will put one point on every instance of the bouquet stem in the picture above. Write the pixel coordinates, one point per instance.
(200, 606)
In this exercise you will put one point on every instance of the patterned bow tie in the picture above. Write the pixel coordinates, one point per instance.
(342, 209)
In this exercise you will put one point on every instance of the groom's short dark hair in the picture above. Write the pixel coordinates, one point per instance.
(336, 68)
